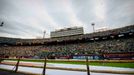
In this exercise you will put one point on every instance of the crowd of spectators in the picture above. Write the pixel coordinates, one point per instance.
(97, 47)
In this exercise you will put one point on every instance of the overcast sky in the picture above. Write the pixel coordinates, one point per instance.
(29, 18)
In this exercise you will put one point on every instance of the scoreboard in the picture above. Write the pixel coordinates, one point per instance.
(67, 32)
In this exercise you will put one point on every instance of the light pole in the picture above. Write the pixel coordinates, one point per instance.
(44, 34)
(93, 24)
(93, 27)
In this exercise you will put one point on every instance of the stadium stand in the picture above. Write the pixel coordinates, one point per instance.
(99, 45)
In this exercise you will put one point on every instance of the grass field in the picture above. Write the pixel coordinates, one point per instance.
(93, 63)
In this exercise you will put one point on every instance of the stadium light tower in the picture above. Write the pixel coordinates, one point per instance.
(93, 24)
(93, 27)
(44, 34)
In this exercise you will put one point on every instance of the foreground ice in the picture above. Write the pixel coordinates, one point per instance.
(51, 72)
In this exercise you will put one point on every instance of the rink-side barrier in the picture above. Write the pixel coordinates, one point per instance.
(75, 69)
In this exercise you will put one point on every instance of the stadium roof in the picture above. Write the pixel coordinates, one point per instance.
(29, 18)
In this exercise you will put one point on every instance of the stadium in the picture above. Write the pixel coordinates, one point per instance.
(73, 47)
(66, 37)
(110, 44)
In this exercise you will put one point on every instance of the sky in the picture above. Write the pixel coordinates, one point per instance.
(30, 18)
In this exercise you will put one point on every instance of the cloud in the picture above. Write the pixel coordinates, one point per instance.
(100, 9)
(29, 18)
